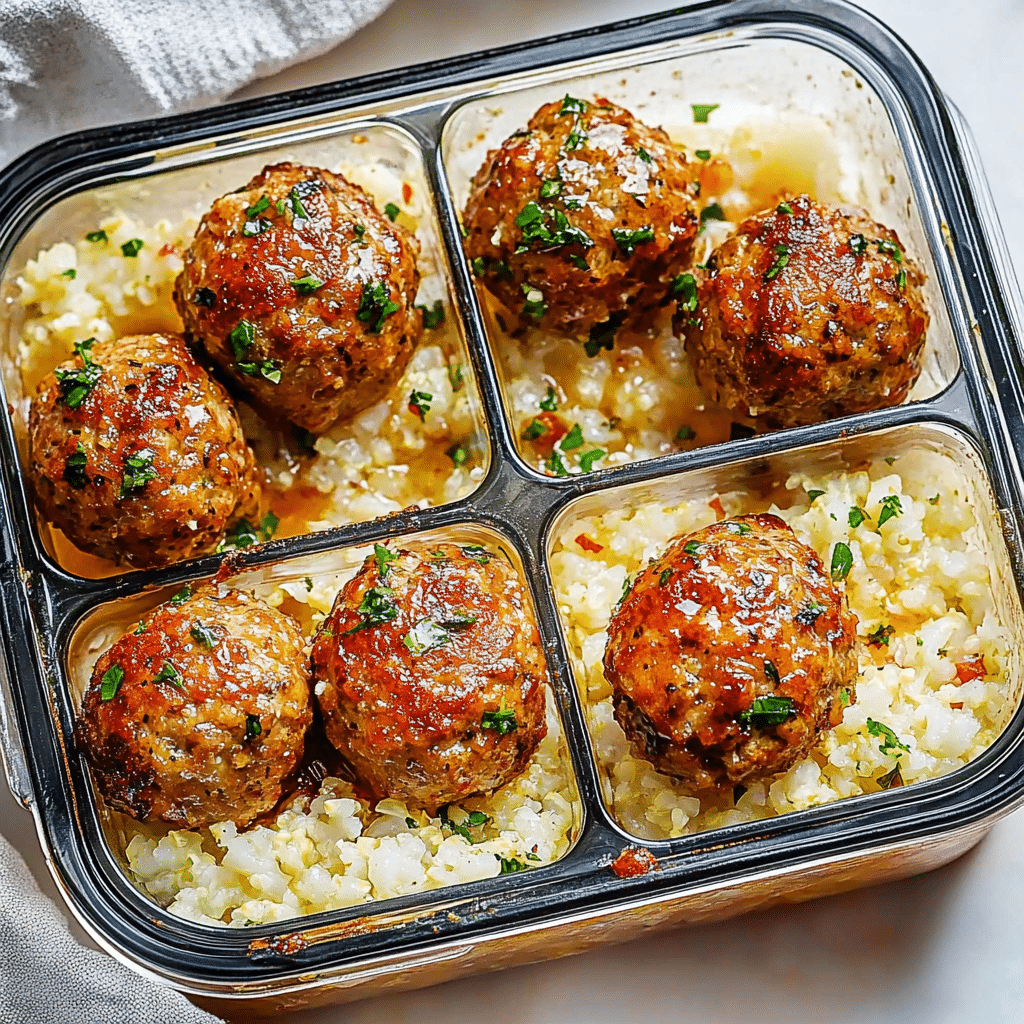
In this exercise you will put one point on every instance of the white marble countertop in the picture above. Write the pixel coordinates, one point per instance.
(943, 948)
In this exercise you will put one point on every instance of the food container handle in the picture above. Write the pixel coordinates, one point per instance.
(12, 750)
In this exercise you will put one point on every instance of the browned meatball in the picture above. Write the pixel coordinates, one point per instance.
(581, 220)
(200, 714)
(729, 654)
(430, 673)
(136, 453)
(806, 315)
(304, 292)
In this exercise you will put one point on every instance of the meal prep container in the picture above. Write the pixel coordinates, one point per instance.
(818, 57)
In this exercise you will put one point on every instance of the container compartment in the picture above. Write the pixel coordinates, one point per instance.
(931, 583)
(787, 116)
(385, 459)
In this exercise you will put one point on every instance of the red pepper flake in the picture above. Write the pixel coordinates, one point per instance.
(406, 192)
(715, 504)
(956, 705)
(553, 431)
(589, 545)
(166, 249)
(973, 668)
(634, 861)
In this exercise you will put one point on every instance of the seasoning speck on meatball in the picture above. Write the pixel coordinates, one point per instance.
(137, 453)
(805, 314)
(303, 292)
(200, 714)
(430, 673)
(582, 220)
(730, 653)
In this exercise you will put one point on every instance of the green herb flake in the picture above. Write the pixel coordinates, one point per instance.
(663, 577)
(858, 245)
(739, 529)
(813, 495)
(74, 468)
(551, 189)
(535, 429)
(477, 553)
(842, 561)
(901, 279)
(857, 516)
(280, 207)
(891, 508)
(602, 335)
(781, 261)
(509, 865)
(890, 249)
(412, 823)
(685, 433)
(881, 636)
(307, 285)
(555, 464)
(141, 627)
(533, 305)
(573, 439)
(549, 403)
(382, 556)
(701, 111)
(202, 634)
(772, 673)
(96, 236)
(571, 105)
(713, 211)
(433, 316)
(784, 208)
(578, 261)
(458, 453)
(253, 726)
(684, 289)
(182, 595)
(261, 204)
(242, 535)
(845, 697)
(375, 609)
(503, 721)
(810, 613)
(479, 266)
(934, 500)
(110, 682)
(890, 742)
(549, 229)
(392, 211)
(138, 471)
(587, 459)
(644, 155)
(575, 138)
(169, 674)
(455, 376)
(425, 636)
(268, 369)
(358, 230)
(375, 306)
(768, 711)
(70, 273)
(702, 154)
(628, 241)
(691, 548)
(76, 385)
(242, 338)
(268, 525)
(419, 404)
(308, 580)
(253, 228)
(295, 197)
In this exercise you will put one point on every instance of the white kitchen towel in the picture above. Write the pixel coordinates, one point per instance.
(69, 64)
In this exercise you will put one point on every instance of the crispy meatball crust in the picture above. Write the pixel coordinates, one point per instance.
(311, 310)
(210, 717)
(443, 698)
(737, 611)
(807, 316)
(626, 196)
(151, 467)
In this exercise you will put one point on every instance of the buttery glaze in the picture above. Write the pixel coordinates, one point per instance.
(209, 720)
(294, 255)
(603, 170)
(738, 611)
(194, 476)
(460, 718)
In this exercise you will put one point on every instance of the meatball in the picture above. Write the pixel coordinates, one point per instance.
(730, 653)
(200, 714)
(805, 314)
(430, 674)
(582, 220)
(303, 292)
(137, 454)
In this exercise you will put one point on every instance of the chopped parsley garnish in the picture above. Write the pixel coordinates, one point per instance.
(458, 453)
(433, 316)
(602, 335)
(713, 211)
(261, 204)
(785, 208)
(241, 339)
(812, 495)
(455, 376)
(842, 561)
(857, 516)
(701, 111)
(358, 230)
(280, 207)
(891, 779)
(138, 471)
(419, 404)
(392, 211)
(202, 634)
(767, 711)
(901, 279)
(375, 609)
(170, 674)
(548, 229)
(702, 154)
(587, 459)
(891, 508)
(477, 553)
(268, 525)
(551, 189)
(781, 260)
(684, 288)
(739, 529)
(890, 249)
(307, 285)
(880, 636)
(890, 742)
(509, 865)
(578, 261)
(76, 385)
(573, 439)
(479, 266)
(110, 682)
(74, 468)
(268, 369)
(309, 584)
(643, 154)
(140, 628)
(535, 429)
(382, 556)
(243, 535)
(204, 297)
(295, 197)
(663, 577)
(556, 465)
(534, 302)
(571, 105)
(256, 226)
(503, 721)
(771, 672)
(628, 241)
(425, 636)
(96, 236)
(70, 273)
(549, 403)
(934, 500)
(692, 547)
(685, 433)
(375, 305)
(859, 244)
(182, 595)
(575, 138)
(253, 727)
(845, 697)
